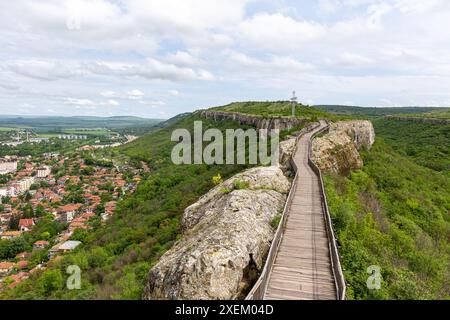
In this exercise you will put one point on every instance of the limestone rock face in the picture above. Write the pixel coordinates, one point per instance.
(227, 235)
(260, 122)
(287, 148)
(337, 151)
(360, 131)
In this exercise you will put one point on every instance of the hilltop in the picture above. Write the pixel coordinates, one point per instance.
(274, 109)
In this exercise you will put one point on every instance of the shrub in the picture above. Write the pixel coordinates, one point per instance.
(239, 185)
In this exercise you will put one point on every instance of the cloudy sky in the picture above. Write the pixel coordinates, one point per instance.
(158, 58)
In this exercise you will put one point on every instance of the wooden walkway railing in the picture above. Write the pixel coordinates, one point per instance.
(335, 259)
(258, 291)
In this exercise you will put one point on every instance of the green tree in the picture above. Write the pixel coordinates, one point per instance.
(28, 212)
(51, 280)
(40, 211)
(9, 248)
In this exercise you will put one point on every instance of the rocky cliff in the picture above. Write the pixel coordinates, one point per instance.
(227, 235)
(337, 151)
(260, 122)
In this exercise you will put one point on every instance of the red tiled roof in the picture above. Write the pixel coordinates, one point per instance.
(11, 233)
(70, 207)
(6, 265)
(26, 222)
(22, 264)
(88, 215)
(23, 255)
(41, 243)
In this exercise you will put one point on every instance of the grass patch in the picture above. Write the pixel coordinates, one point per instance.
(275, 221)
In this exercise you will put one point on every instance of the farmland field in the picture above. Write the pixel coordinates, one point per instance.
(94, 132)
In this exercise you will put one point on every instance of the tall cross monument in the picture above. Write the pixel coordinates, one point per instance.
(294, 103)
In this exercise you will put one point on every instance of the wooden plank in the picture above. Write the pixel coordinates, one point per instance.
(302, 266)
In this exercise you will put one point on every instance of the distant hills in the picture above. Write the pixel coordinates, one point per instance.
(377, 112)
(45, 123)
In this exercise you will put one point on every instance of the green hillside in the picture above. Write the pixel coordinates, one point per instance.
(426, 144)
(274, 109)
(115, 258)
(394, 213)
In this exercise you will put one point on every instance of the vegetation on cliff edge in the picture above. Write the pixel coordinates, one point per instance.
(394, 213)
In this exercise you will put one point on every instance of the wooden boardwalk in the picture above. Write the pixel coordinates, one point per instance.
(302, 269)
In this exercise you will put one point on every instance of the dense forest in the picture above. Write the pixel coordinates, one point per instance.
(426, 144)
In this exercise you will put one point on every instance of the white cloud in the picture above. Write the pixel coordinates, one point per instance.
(156, 103)
(275, 31)
(9, 86)
(112, 102)
(151, 69)
(43, 69)
(187, 16)
(174, 93)
(347, 59)
(418, 6)
(135, 94)
(78, 102)
(274, 65)
(182, 58)
(109, 94)
(88, 102)
(328, 6)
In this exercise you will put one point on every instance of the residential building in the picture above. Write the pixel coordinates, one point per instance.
(63, 247)
(21, 265)
(41, 244)
(6, 268)
(10, 234)
(20, 186)
(26, 224)
(43, 172)
(23, 256)
(8, 167)
(9, 191)
(17, 278)
(67, 213)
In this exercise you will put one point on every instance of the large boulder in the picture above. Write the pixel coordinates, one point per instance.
(227, 235)
(337, 151)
